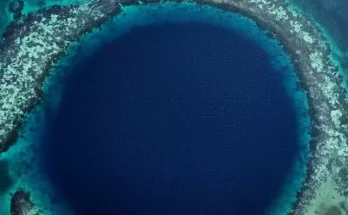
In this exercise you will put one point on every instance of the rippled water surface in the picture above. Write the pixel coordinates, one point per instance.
(180, 115)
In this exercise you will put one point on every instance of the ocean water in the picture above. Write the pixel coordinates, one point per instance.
(186, 109)
(173, 118)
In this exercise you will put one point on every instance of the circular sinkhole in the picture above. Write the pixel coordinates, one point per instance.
(172, 118)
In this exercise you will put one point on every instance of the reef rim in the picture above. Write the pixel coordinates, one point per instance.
(32, 44)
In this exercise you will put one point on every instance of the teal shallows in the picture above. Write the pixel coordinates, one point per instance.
(5, 178)
(33, 5)
(5, 15)
(159, 13)
(24, 172)
(29, 6)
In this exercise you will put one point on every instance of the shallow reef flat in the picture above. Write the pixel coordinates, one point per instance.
(33, 43)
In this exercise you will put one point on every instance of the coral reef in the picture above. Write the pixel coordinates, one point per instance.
(21, 204)
(33, 43)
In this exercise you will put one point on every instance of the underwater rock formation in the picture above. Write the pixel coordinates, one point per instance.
(21, 204)
(16, 8)
(33, 43)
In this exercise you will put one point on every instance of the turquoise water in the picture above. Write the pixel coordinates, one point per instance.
(24, 151)
(29, 6)
(5, 15)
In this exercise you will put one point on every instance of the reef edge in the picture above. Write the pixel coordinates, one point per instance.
(33, 43)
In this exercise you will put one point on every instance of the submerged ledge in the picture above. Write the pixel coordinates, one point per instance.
(32, 44)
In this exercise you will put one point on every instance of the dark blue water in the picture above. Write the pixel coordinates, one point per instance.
(172, 119)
